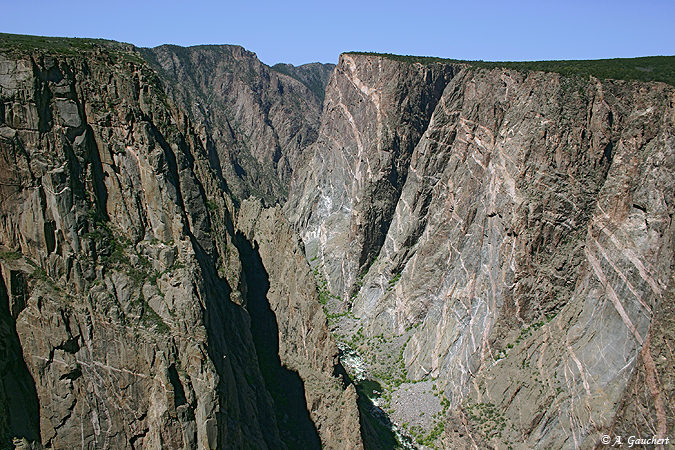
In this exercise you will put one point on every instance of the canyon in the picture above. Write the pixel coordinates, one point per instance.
(198, 250)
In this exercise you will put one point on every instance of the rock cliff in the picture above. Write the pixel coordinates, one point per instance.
(497, 244)
(130, 298)
(200, 251)
(255, 120)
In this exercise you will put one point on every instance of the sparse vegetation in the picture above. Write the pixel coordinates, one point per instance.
(149, 316)
(60, 44)
(10, 256)
(525, 333)
(322, 286)
(487, 418)
(68, 46)
(211, 205)
(393, 281)
(648, 68)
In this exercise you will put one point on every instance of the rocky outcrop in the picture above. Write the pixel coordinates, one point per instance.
(253, 121)
(508, 265)
(19, 409)
(125, 292)
(313, 75)
(307, 347)
(574, 254)
(375, 112)
(94, 208)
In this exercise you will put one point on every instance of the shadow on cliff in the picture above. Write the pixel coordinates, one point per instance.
(285, 386)
(19, 407)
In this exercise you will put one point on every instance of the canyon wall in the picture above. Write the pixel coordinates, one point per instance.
(201, 251)
(508, 236)
(125, 295)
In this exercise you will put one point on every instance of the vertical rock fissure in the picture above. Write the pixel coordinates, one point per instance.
(285, 386)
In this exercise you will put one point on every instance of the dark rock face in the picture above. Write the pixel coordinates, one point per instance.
(254, 121)
(19, 409)
(124, 291)
(181, 230)
(285, 386)
(306, 347)
(313, 75)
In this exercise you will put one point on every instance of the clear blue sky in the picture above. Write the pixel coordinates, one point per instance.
(306, 31)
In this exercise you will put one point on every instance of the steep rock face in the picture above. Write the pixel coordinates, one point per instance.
(256, 121)
(313, 75)
(131, 316)
(78, 141)
(19, 409)
(307, 347)
(496, 247)
(522, 262)
(374, 113)
(551, 218)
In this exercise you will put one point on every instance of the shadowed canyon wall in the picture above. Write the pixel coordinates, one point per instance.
(125, 292)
